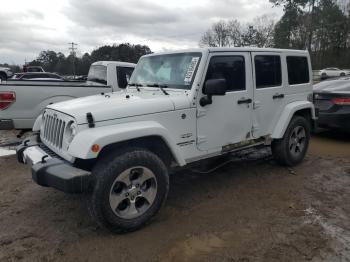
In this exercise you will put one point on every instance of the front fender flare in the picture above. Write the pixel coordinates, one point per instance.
(287, 115)
(106, 135)
(37, 123)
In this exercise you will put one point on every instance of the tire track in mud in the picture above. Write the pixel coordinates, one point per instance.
(250, 210)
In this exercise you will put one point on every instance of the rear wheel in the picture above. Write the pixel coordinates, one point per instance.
(342, 74)
(291, 149)
(129, 189)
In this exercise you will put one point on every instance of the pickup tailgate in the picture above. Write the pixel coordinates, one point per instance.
(21, 104)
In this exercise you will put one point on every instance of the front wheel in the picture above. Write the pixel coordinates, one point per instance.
(291, 149)
(129, 189)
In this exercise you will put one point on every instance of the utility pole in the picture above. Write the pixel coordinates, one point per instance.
(72, 49)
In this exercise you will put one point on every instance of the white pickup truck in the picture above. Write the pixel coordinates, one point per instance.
(21, 102)
(179, 108)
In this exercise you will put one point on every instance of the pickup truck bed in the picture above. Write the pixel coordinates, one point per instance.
(22, 101)
(32, 97)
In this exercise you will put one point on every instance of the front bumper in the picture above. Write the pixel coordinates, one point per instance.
(50, 171)
(6, 124)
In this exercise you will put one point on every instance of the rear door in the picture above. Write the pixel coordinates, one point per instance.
(228, 120)
(269, 93)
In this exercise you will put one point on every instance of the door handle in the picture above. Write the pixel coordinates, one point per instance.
(278, 96)
(244, 101)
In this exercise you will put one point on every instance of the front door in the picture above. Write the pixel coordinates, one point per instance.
(228, 120)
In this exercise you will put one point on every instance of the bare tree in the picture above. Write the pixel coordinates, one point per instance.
(235, 33)
(217, 36)
(264, 27)
(221, 34)
(208, 39)
(232, 33)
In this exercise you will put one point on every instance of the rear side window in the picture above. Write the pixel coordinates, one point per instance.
(123, 75)
(231, 68)
(268, 71)
(298, 70)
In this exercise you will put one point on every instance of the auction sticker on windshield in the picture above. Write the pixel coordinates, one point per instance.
(190, 70)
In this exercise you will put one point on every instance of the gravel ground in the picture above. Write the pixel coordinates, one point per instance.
(252, 210)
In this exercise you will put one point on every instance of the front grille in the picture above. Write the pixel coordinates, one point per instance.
(53, 130)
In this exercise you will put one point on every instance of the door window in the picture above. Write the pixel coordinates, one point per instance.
(123, 75)
(298, 70)
(231, 68)
(268, 71)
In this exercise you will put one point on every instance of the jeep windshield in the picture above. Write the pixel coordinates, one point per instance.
(98, 74)
(170, 71)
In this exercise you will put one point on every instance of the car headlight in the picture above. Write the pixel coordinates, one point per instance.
(70, 132)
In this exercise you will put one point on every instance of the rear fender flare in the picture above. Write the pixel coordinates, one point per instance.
(287, 114)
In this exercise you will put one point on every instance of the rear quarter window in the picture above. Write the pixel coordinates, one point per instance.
(298, 70)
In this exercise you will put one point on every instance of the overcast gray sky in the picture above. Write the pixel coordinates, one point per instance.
(27, 27)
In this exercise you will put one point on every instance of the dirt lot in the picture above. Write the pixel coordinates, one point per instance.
(253, 210)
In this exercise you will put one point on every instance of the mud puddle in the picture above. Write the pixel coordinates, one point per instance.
(328, 143)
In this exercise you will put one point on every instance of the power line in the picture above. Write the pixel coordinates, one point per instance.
(73, 49)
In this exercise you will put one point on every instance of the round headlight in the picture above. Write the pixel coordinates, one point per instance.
(71, 131)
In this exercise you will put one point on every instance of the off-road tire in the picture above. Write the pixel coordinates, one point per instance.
(106, 171)
(281, 149)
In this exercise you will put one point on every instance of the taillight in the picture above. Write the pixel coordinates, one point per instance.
(6, 99)
(341, 101)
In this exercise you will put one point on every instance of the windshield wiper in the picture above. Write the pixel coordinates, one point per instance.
(136, 85)
(160, 86)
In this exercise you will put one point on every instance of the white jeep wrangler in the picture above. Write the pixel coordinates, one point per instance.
(179, 108)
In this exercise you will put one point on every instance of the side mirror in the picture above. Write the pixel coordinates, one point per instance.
(213, 87)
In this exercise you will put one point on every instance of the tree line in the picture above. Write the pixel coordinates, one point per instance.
(57, 62)
(320, 26)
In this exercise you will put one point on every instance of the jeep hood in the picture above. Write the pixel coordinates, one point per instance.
(121, 104)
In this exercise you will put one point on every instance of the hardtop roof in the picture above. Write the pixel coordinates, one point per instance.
(231, 49)
(254, 49)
